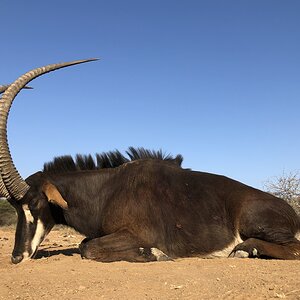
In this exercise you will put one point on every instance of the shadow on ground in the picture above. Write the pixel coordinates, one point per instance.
(44, 253)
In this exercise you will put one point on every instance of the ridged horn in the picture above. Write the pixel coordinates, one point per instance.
(3, 191)
(4, 87)
(14, 183)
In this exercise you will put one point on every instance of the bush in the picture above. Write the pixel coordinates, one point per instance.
(8, 214)
(287, 187)
(295, 203)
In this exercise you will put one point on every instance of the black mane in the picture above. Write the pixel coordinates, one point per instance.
(104, 160)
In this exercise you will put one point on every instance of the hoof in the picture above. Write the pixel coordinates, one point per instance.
(84, 249)
(239, 254)
(155, 254)
(244, 254)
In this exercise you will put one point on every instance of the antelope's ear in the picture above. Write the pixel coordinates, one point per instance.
(53, 195)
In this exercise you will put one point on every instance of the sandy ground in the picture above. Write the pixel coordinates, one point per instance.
(58, 272)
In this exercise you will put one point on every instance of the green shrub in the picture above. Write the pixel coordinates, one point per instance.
(7, 214)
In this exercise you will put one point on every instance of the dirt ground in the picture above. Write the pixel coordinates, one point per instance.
(58, 272)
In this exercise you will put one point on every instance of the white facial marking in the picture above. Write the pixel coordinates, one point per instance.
(25, 256)
(38, 236)
(28, 216)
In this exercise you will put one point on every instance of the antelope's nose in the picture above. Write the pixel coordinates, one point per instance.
(17, 259)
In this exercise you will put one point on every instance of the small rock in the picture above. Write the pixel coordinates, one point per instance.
(176, 287)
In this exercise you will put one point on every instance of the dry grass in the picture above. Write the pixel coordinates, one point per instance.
(8, 214)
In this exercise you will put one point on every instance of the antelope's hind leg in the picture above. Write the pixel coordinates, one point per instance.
(258, 248)
(268, 227)
(120, 246)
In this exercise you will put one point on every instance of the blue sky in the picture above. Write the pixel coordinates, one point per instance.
(217, 81)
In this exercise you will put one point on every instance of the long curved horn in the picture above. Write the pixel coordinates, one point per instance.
(4, 87)
(14, 183)
(3, 191)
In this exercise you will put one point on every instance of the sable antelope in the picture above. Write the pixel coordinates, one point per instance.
(142, 207)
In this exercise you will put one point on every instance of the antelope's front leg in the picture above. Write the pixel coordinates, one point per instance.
(120, 246)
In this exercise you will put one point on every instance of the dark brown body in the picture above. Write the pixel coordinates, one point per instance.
(156, 204)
